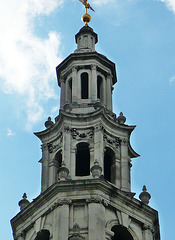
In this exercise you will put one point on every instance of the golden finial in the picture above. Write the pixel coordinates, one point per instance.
(86, 18)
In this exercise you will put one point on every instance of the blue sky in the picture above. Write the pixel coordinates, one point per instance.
(139, 36)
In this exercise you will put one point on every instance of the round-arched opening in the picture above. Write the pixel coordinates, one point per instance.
(109, 157)
(58, 158)
(121, 233)
(99, 87)
(82, 160)
(43, 235)
(69, 91)
(84, 85)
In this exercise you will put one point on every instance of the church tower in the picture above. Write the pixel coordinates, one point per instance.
(86, 160)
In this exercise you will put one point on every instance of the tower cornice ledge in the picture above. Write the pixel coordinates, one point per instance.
(93, 190)
(101, 115)
(86, 56)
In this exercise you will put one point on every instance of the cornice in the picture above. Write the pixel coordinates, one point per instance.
(106, 194)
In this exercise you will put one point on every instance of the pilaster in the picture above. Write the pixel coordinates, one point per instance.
(125, 174)
(62, 102)
(96, 224)
(147, 233)
(94, 83)
(61, 222)
(74, 84)
(98, 145)
(45, 172)
(116, 169)
(109, 91)
(66, 147)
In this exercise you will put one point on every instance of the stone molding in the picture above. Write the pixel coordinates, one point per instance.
(81, 133)
(60, 202)
(97, 200)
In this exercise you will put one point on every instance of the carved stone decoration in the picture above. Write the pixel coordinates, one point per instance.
(123, 219)
(111, 115)
(121, 119)
(96, 170)
(114, 141)
(44, 147)
(60, 202)
(97, 200)
(63, 172)
(24, 202)
(50, 147)
(49, 123)
(74, 133)
(76, 236)
(144, 195)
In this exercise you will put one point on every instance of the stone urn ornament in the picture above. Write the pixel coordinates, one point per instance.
(144, 196)
(96, 169)
(63, 172)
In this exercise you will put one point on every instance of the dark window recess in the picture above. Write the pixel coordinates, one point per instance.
(108, 159)
(43, 235)
(84, 86)
(58, 158)
(99, 87)
(70, 90)
(82, 160)
(121, 233)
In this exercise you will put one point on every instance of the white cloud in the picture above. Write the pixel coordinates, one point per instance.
(172, 79)
(27, 62)
(10, 132)
(170, 4)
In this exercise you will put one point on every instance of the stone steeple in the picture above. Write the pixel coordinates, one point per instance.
(86, 161)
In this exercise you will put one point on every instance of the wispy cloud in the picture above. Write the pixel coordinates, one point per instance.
(10, 132)
(27, 62)
(172, 79)
(100, 2)
(170, 4)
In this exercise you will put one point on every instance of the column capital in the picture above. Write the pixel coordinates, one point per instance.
(109, 75)
(74, 68)
(94, 67)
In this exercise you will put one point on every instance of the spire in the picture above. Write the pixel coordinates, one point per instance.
(86, 18)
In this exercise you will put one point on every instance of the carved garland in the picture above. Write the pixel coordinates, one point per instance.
(60, 202)
(97, 200)
(75, 134)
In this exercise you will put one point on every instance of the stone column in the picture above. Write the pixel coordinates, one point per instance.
(147, 234)
(52, 173)
(66, 147)
(74, 84)
(62, 101)
(125, 175)
(44, 161)
(96, 221)
(61, 222)
(109, 91)
(116, 173)
(94, 83)
(98, 146)
(104, 91)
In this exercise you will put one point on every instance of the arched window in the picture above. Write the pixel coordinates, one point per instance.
(99, 87)
(58, 158)
(69, 90)
(109, 157)
(84, 85)
(121, 233)
(43, 235)
(85, 41)
(82, 160)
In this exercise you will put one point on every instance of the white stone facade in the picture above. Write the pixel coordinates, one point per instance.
(86, 161)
